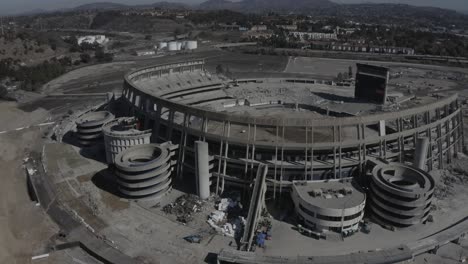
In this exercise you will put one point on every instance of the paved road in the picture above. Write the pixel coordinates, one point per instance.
(26, 127)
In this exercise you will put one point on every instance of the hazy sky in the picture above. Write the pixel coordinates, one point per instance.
(17, 6)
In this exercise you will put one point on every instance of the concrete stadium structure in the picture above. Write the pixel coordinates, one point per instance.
(121, 134)
(144, 171)
(89, 126)
(303, 132)
(333, 205)
(401, 195)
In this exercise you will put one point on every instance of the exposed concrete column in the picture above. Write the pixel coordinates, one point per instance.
(311, 153)
(276, 161)
(439, 141)
(220, 159)
(448, 134)
(183, 144)
(170, 124)
(334, 152)
(305, 152)
(202, 169)
(420, 154)
(157, 123)
(382, 130)
(461, 131)
(340, 151)
(254, 138)
(225, 156)
(282, 159)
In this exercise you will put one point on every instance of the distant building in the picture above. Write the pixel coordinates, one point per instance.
(259, 28)
(229, 27)
(371, 49)
(93, 39)
(288, 27)
(258, 35)
(345, 31)
(313, 35)
(145, 52)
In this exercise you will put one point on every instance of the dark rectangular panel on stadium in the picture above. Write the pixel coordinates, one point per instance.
(371, 83)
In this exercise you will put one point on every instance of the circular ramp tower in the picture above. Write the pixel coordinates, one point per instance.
(121, 134)
(89, 126)
(144, 171)
(401, 194)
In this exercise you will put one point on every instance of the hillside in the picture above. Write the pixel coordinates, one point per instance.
(115, 6)
(99, 6)
(256, 6)
(401, 14)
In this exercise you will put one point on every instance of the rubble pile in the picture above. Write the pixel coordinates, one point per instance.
(459, 171)
(457, 174)
(226, 219)
(445, 186)
(264, 224)
(184, 207)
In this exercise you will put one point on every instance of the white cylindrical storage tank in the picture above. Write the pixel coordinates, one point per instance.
(191, 45)
(172, 46)
(162, 45)
(179, 45)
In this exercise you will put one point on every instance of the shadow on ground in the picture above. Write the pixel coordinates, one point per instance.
(105, 181)
(94, 152)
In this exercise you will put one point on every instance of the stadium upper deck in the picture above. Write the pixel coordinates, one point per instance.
(303, 129)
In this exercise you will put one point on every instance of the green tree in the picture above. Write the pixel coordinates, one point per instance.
(339, 77)
(177, 32)
(219, 69)
(85, 58)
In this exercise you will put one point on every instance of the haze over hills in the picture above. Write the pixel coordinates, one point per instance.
(34, 6)
(111, 5)
(254, 6)
(276, 5)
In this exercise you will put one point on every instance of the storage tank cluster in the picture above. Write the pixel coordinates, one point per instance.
(178, 45)
(89, 126)
(121, 134)
(172, 46)
(144, 171)
(191, 44)
(162, 45)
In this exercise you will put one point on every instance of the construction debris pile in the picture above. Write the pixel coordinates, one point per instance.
(184, 207)
(226, 219)
(456, 175)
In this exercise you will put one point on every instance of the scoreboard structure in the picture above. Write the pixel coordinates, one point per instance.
(371, 83)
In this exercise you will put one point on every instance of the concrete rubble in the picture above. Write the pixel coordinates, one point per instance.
(226, 219)
(184, 207)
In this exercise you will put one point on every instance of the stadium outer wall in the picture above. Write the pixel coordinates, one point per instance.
(306, 159)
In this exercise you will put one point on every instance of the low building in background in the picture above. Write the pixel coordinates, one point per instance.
(313, 35)
(93, 39)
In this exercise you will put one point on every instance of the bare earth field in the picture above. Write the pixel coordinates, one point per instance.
(25, 229)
